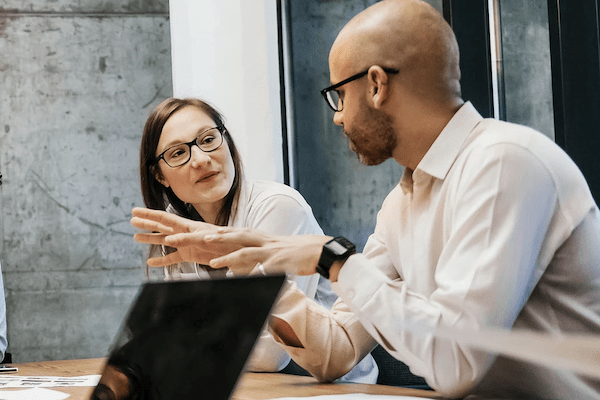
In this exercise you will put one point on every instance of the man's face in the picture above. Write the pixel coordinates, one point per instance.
(370, 133)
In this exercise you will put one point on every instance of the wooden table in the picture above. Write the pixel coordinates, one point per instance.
(252, 386)
(255, 386)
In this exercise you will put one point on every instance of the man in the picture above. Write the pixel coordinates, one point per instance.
(491, 226)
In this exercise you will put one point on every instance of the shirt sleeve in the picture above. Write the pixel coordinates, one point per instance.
(333, 341)
(495, 226)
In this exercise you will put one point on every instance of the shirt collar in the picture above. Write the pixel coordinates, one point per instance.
(445, 149)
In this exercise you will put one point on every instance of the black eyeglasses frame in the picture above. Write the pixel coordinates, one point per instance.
(325, 92)
(194, 142)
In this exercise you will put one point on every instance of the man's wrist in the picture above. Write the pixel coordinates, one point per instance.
(336, 250)
(335, 269)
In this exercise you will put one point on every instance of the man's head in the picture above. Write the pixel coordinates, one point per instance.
(387, 114)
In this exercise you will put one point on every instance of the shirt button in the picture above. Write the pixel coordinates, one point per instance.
(351, 293)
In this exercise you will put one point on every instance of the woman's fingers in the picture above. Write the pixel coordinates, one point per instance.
(185, 239)
(162, 217)
(169, 259)
(161, 221)
(198, 240)
(149, 225)
(149, 238)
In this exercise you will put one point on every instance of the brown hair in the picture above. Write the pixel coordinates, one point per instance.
(158, 197)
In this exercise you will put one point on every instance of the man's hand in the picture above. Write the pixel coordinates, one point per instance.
(243, 249)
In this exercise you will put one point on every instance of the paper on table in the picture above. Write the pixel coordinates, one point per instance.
(356, 396)
(32, 394)
(15, 381)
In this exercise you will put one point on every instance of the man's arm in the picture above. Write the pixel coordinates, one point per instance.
(288, 214)
(285, 332)
(327, 343)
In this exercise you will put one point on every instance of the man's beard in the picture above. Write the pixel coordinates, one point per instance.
(374, 140)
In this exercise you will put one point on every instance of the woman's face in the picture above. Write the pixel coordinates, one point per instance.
(206, 178)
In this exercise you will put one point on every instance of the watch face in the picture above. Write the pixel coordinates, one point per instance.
(336, 248)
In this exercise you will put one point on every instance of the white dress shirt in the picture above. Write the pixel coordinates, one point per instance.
(496, 227)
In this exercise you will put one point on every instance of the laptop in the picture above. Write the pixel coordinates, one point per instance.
(187, 339)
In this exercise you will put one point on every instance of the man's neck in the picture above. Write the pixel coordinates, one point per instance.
(421, 132)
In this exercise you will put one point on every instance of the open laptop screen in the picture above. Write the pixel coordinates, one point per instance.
(187, 339)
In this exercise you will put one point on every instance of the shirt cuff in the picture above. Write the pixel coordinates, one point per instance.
(358, 280)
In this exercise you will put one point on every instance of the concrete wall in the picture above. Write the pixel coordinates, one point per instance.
(77, 81)
(527, 73)
(225, 52)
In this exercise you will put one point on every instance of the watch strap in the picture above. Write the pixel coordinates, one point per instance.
(340, 250)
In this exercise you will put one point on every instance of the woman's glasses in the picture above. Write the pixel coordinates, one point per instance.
(209, 140)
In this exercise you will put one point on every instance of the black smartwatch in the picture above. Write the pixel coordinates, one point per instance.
(338, 248)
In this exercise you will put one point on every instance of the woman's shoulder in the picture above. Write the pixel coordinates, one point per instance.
(265, 190)
(275, 208)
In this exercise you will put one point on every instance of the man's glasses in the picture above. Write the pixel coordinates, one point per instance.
(332, 96)
(209, 140)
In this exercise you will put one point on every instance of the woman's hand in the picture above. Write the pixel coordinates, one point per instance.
(162, 224)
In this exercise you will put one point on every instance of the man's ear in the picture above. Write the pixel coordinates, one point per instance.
(379, 89)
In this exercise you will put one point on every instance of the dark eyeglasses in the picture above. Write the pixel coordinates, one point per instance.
(332, 96)
(209, 140)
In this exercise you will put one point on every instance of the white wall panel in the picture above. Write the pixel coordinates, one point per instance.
(225, 52)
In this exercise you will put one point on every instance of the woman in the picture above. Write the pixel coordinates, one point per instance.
(189, 166)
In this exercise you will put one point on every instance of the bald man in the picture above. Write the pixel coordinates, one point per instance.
(491, 226)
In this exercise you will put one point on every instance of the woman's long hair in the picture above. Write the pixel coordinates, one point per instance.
(158, 197)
